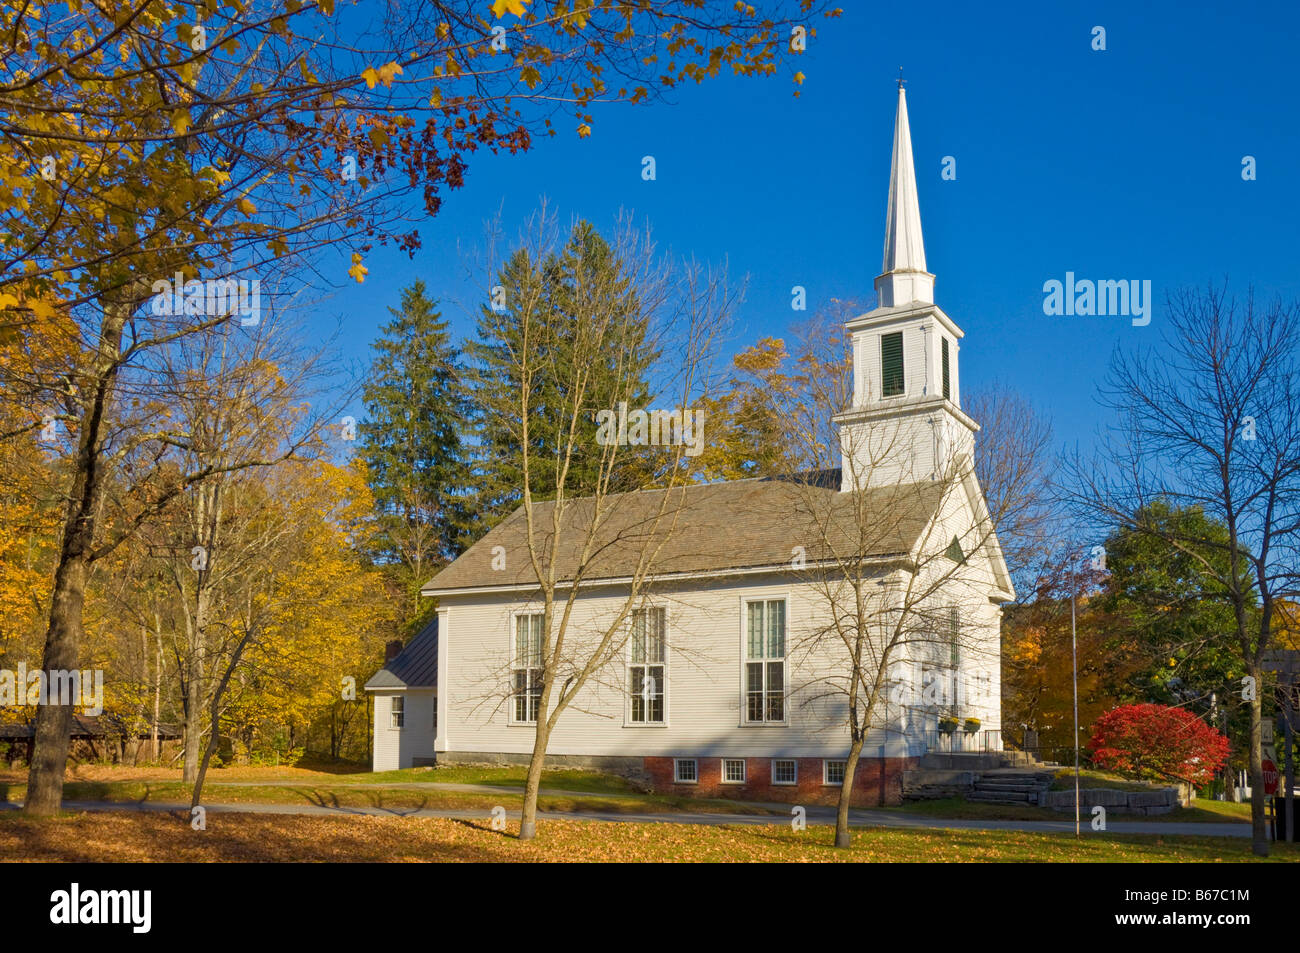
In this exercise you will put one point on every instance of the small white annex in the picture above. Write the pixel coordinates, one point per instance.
(405, 703)
(725, 639)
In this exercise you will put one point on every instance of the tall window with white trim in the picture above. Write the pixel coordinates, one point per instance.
(765, 661)
(647, 666)
(527, 667)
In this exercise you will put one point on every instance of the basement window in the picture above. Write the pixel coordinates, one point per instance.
(833, 772)
(733, 770)
(685, 771)
(785, 771)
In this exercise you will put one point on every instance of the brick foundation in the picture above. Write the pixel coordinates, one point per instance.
(877, 781)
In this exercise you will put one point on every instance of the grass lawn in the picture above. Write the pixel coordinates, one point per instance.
(1204, 812)
(154, 837)
(568, 780)
(594, 792)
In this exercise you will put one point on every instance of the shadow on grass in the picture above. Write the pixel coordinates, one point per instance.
(155, 836)
(399, 802)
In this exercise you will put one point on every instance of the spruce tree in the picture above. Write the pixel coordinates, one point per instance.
(412, 442)
(563, 309)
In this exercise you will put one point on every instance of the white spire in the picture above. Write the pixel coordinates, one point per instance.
(904, 277)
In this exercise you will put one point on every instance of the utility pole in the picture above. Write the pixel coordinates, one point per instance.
(1288, 712)
(1074, 668)
(1286, 663)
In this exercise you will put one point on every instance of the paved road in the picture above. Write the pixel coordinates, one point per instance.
(816, 815)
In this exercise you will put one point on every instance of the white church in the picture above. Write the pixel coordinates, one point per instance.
(732, 675)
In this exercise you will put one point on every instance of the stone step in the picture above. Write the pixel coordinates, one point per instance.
(934, 794)
(963, 760)
(1016, 777)
(922, 776)
(1000, 797)
(1009, 788)
(980, 760)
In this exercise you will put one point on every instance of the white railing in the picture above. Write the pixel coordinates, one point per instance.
(956, 742)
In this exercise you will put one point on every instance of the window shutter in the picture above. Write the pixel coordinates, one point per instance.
(891, 364)
(947, 389)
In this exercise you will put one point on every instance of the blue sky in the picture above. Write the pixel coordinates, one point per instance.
(1124, 163)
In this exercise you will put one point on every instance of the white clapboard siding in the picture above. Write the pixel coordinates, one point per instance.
(704, 678)
(396, 748)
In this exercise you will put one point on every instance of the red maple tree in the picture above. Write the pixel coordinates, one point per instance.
(1156, 742)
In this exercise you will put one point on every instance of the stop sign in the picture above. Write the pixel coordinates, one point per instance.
(1270, 777)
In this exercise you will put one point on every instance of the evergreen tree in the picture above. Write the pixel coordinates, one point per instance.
(1168, 609)
(412, 442)
(560, 310)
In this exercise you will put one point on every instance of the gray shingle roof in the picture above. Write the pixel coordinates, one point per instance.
(416, 666)
(710, 528)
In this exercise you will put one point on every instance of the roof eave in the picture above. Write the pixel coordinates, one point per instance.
(782, 567)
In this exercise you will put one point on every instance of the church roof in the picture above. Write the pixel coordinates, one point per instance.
(707, 529)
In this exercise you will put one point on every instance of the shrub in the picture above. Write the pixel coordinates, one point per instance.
(1156, 742)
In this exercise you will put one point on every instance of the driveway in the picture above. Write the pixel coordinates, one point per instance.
(815, 815)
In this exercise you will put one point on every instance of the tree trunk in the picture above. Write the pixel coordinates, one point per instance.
(49, 758)
(198, 666)
(857, 731)
(528, 821)
(214, 716)
(202, 772)
(63, 637)
(157, 687)
(193, 722)
(842, 838)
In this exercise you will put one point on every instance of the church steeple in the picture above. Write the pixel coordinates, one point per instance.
(905, 421)
(904, 278)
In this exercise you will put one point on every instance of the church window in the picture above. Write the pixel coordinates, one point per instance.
(527, 668)
(765, 662)
(646, 666)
